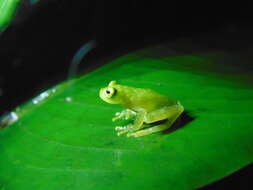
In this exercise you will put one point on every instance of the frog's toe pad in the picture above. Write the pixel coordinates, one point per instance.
(119, 128)
(115, 118)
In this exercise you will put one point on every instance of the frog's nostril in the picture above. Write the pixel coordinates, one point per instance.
(107, 92)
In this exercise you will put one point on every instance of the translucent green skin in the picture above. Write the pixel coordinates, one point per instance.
(145, 105)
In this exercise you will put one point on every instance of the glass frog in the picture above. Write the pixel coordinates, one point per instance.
(144, 105)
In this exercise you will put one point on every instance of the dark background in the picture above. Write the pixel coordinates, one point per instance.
(37, 48)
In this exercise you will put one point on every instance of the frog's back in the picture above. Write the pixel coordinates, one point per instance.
(146, 99)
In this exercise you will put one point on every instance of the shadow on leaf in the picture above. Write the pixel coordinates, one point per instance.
(181, 122)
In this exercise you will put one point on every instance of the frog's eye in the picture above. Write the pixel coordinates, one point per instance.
(109, 92)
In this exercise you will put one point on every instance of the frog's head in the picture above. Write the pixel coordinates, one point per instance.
(109, 93)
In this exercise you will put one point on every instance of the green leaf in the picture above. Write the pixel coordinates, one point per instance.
(7, 10)
(60, 143)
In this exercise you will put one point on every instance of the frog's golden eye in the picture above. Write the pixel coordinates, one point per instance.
(109, 92)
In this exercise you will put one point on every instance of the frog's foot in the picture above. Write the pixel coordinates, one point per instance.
(123, 129)
(148, 130)
(131, 134)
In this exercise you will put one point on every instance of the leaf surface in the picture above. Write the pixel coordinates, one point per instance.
(59, 144)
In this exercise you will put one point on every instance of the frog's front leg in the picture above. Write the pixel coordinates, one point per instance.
(125, 114)
(138, 123)
(139, 120)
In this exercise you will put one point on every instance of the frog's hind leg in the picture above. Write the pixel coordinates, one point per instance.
(172, 113)
(167, 112)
